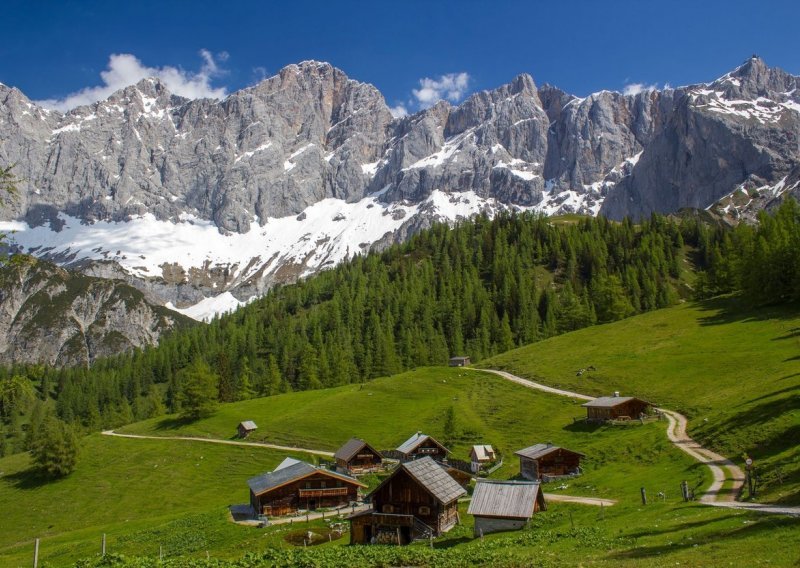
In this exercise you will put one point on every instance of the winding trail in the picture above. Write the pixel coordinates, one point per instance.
(722, 469)
(227, 442)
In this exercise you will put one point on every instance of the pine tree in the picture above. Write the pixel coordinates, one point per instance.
(198, 398)
(55, 451)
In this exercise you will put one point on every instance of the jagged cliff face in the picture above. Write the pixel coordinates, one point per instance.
(53, 316)
(194, 199)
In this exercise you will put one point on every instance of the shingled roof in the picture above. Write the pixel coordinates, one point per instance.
(248, 425)
(537, 451)
(414, 441)
(268, 481)
(351, 448)
(609, 401)
(505, 499)
(435, 479)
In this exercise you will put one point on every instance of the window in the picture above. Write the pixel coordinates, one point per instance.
(308, 485)
(322, 484)
(424, 510)
(338, 484)
(388, 509)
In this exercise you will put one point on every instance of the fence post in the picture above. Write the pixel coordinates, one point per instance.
(36, 554)
(685, 490)
(104, 544)
(644, 496)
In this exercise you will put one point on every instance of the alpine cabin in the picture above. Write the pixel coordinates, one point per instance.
(357, 457)
(504, 505)
(459, 361)
(296, 485)
(418, 500)
(421, 445)
(480, 456)
(542, 461)
(244, 428)
(615, 408)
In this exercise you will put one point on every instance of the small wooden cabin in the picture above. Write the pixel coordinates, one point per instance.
(418, 500)
(546, 460)
(480, 456)
(245, 428)
(504, 505)
(357, 457)
(298, 486)
(421, 445)
(615, 408)
(462, 361)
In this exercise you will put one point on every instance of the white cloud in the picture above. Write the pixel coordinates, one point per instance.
(399, 111)
(636, 88)
(125, 69)
(452, 86)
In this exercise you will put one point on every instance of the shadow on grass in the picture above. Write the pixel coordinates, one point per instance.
(680, 527)
(775, 393)
(450, 543)
(731, 309)
(173, 423)
(31, 479)
(583, 426)
(755, 528)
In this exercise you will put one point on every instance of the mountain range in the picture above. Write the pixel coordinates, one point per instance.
(204, 204)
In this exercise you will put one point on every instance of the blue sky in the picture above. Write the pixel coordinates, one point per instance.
(51, 50)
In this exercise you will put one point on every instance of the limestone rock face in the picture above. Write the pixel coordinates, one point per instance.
(190, 199)
(54, 316)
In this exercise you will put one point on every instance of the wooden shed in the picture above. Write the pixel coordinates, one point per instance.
(546, 460)
(421, 445)
(480, 456)
(357, 457)
(461, 361)
(300, 485)
(504, 505)
(418, 500)
(615, 408)
(244, 428)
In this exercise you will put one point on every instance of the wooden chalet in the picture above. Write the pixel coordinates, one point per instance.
(300, 485)
(504, 505)
(244, 428)
(480, 456)
(546, 460)
(421, 445)
(615, 408)
(356, 457)
(459, 361)
(418, 500)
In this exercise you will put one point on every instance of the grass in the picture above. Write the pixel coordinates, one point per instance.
(734, 372)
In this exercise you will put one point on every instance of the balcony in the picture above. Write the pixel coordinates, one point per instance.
(326, 492)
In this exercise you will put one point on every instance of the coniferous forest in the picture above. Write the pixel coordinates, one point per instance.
(480, 288)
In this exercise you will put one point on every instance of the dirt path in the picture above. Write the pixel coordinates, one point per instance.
(721, 468)
(582, 500)
(227, 442)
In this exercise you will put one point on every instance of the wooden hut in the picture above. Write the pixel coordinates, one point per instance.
(244, 428)
(615, 408)
(546, 460)
(357, 457)
(462, 361)
(480, 456)
(504, 505)
(300, 486)
(418, 500)
(421, 445)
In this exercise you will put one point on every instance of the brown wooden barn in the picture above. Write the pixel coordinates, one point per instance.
(357, 457)
(504, 505)
(418, 500)
(300, 485)
(244, 428)
(421, 445)
(459, 361)
(546, 460)
(615, 408)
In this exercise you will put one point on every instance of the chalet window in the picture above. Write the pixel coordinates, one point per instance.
(338, 484)
(388, 509)
(308, 485)
(424, 510)
(322, 484)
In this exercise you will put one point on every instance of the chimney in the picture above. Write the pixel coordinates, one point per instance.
(616, 393)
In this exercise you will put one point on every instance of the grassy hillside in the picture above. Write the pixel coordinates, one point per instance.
(735, 372)
(146, 493)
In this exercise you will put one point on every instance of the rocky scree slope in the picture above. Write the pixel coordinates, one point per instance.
(54, 316)
(204, 204)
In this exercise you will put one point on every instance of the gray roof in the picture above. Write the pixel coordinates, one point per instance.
(435, 479)
(609, 401)
(265, 482)
(248, 425)
(351, 448)
(287, 462)
(508, 499)
(538, 450)
(411, 444)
